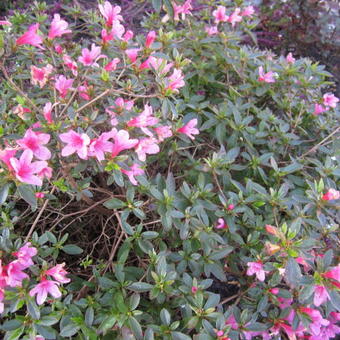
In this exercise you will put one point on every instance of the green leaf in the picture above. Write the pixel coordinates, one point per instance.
(107, 323)
(180, 336)
(140, 287)
(33, 310)
(114, 203)
(28, 195)
(169, 8)
(4, 193)
(220, 254)
(157, 5)
(72, 249)
(293, 272)
(165, 317)
(15, 334)
(11, 325)
(89, 316)
(69, 330)
(136, 328)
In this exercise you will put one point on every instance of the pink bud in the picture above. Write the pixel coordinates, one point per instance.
(39, 195)
(231, 207)
(194, 289)
(150, 38)
(274, 291)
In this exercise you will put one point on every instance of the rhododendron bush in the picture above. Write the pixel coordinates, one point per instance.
(164, 183)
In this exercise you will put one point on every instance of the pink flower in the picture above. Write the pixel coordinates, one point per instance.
(317, 320)
(43, 288)
(106, 37)
(274, 291)
(219, 333)
(132, 54)
(266, 77)
(6, 155)
(45, 172)
(235, 17)
(35, 142)
(122, 142)
(211, 30)
(189, 129)
(146, 146)
(145, 64)
(290, 59)
(320, 295)
(24, 169)
(257, 269)
(58, 273)
(230, 207)
(182, 9)
(128, 35)
(100, 145)
(21, 111)
(163, 132)
(89, 58)
(75, 143)
(334, 273)
(319, 109)
(331, 194)
(70, 64)
(62, 85)
(31, 37)
(110, 13)
(160, 65)
(47, 112)
(84, 91)
(40, 75)
(175, 81)
(58, 49)
(39, 195)
(145, 119)
(58, 27)
(194, 289)
(248, 11)
(330, 100)
(117, 29)
(25, 254)
(15, 274)
(135, 170)
(112, 65)
(219, 14)
(150, 38)
(221, 224)
(5, 23)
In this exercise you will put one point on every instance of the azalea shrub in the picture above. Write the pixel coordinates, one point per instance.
(173, 183)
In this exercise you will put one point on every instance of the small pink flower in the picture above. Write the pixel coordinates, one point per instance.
(110, 13)
(84, 91)
(211, 30)
(15, 274)
(90, 57)
(182, 9)
(100, 145)
(145, 119)
(43, 288)
(6, 155)
(266, 77)
(318, 108)
(62, 85)
(58, 49)
(132, 54)
(231, 207)
(219, 333)
(5, 23)
(146, 146)
(76, 143)
(45, 172)
(35, 142)
(274, 291)
(175, 81)
(112, 65)
(330, 100)
(47, 112)
(24, 169)
(40, 75)
(219, 14)
(150, 38)
(163, 132)
(248, 11)
(235, 17)
(331, 194)
(189, 129)
(194, 289)
(334, 273)
(127, 36)
(58, 273)
(117, 30)
(31, 37)
(221, 224)
(135, 170)
(160, 65)
(122, 142)
(106, 37)
(58, 27)
(39, 195)
(21, 111)
(25, 254)
(257, 269)
(290, 59)
(320, 295)
(70, 64)
(145, 64)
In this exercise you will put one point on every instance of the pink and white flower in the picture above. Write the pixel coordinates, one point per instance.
(31, 37)
(175, 81)
(110, 13)
(189, 129)
(58, 27)
(62, 85)
(235, 17)
(331, 194)
(76, 143)
(135, 170)
(146, 146)
(58, 273)
(15, 274)
(268, 77)
(40, 75)
(257, 269)
(330, 100)
(45, 287)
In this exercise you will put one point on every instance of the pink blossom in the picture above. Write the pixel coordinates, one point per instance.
(334, 273)
(100, 145)
(230, 207)
(58, 27)
(117, 29)
(235, 17)
(43, 288)
(35, 142)
(160, 65)
(62, 85)
(110, 13)
(146, 146)
(317, 320)
(24, 169)
(128, 35)
(219, 333)
(163, 132)
(211, 30)
(320, 295)
(132, 54)
(47, 112)
(182, 9)
(84, 91)
(122, 142)
(189, 129)
(302, 261)
(45, 172)
(257, 269)
(70, 64)
(248, 11)
(58, 273)
(5, 23)
(145, 64)
(21, 111)
(150, 38)
(319, 109)
(330, 100)
(266, 77)
(135, 170)
(89, 58)
(31, 37)
(120, 105)
(58, 49)
(15, 274)
(39, 195)
(76, 143)
(6, 155)
(290, 59)
(25, 254)
(331, 194)
(40, 75)
(143, 120)
(106, 37)
(274, 291)
(175, 81)
(221, 224)
(194, 289)
(112, 65)
(219, 14)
